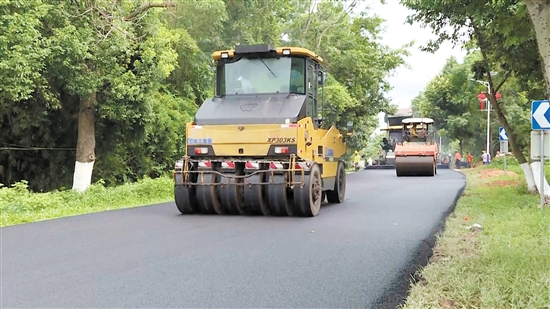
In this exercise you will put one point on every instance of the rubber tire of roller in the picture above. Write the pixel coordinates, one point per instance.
(304, 204)
(207, 196)
(338, 194)
(185, 196)
(279, 201)
(232, 197)
(255, 197)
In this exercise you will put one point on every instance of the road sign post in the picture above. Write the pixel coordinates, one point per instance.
(503, 137)
(504, 150)
(540, 121)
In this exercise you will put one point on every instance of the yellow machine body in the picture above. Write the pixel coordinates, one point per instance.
(260, 146)
(323, 146)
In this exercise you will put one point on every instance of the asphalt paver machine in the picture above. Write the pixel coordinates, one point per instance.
(394, 129)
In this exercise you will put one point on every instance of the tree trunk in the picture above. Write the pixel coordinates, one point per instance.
(535, 169)
(539, 12)
(515, 149)
(85, 149)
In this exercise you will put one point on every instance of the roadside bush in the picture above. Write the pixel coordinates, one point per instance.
(19, 205)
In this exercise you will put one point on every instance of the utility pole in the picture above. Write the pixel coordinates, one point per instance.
(488, 106)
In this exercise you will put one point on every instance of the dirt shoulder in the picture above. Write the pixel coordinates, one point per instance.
(494, 252)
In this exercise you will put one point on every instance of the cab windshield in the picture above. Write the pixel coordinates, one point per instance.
(262, 76)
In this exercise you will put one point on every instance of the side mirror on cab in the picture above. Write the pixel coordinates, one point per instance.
(321, 78)
(350, 127)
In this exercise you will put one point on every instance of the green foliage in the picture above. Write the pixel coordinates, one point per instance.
(22, 49)
(19, 205)
(149, 74)
(504, 36)
(354, 58)
(126, 64)
(449, 99)
(374, 147)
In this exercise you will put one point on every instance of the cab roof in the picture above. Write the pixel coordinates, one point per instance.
(418, 120)
(389, 128)
(265, 49)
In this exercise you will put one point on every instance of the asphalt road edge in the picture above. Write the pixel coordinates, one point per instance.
(398, 290)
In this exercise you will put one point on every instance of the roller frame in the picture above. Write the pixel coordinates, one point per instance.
(234, 193)
(226, 178)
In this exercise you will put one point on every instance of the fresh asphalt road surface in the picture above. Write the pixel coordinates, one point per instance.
(152, 257)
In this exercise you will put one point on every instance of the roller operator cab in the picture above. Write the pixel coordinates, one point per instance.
(260, 146)
(417, 154)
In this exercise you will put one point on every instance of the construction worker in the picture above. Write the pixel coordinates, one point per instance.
(297, 80)
(469, 159)
(386, 144)
(424, 132)
(458, 158)
(413, 130)
(356, 159)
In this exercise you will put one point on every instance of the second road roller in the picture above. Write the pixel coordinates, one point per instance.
(260, 145)
(417, 154)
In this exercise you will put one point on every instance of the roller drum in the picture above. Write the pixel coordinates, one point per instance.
(415, 166)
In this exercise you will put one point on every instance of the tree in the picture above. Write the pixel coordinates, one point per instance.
(119, 79)
(87, 63)
(504, 37)
(356, 61)
(539, 12)
(447, 99)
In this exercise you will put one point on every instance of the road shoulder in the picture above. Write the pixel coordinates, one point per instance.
(493, 252)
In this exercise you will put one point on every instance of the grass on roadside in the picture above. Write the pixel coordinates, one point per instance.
(506, 264)
(18, 205)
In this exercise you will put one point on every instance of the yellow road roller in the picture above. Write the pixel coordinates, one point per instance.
(417, 154)
(260, 145)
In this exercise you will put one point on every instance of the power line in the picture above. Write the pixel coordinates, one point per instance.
(35, 148)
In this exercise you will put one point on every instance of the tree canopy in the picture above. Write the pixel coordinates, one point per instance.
(510, 39)
(138, 70)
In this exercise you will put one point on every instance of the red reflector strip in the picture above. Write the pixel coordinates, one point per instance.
(228, 164)
(205, 164)
(250, 165)
(275, 166)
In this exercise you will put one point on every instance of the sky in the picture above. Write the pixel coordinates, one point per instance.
(408, 82)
